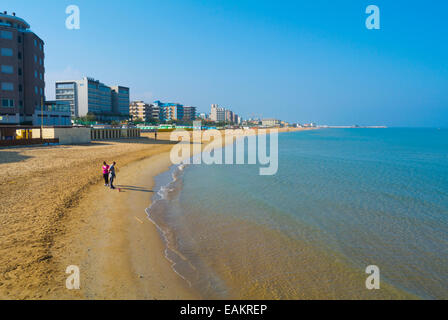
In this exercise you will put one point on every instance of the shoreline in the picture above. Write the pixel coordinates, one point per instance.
(54, 219)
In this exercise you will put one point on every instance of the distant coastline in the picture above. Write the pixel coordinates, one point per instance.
(352, 127)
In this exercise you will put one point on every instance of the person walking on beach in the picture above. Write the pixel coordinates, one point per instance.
(155, 135)
(112, 175)
(106, 173)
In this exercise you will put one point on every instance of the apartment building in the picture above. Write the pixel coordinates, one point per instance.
(271, 123)
(217, 114)
(22, 71)
(140, 110)
(189, 114)
(169, 111)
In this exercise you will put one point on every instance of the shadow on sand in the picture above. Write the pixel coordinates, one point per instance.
(142, 140)
(7, 156)
(133, 189)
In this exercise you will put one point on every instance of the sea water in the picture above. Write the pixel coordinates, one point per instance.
(342, 200)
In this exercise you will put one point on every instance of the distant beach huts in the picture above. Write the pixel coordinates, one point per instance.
(24, 136)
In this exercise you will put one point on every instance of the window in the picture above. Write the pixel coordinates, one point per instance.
(7, 69)
(6, 35)
(20, 71)
(7, 86)
(35, 42)
(20, 103)
(40, 46)
(35, 58)
(19, 55)
(41, 76)
(6, 52)
(20, 88)
(64, 85)
(19, 39)
(8, 103)
(36, 90)
(35, 74)
(40, 61)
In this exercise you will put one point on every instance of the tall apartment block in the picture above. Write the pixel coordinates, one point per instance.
(92, 96)
(22, 85)
(217, 114)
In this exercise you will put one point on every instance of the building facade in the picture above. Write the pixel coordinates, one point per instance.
(22, 71)
(54, 113)
(120, 100)
(189, 114)
(217, 114)
(92, 96)
(169, 111)
(271, 123)
(140, 110)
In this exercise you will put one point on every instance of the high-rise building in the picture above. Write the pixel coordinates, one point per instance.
(120, 100)
(22, 71)
(229, 116)
(91, 96)
(217, 114)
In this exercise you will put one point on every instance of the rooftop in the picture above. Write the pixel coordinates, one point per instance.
(13, 21)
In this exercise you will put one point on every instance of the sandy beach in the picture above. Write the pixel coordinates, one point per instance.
(56, 212)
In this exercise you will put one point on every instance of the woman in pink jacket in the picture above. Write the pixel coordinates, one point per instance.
(106, 173)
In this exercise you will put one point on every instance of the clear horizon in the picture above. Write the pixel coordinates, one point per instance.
(293, 60)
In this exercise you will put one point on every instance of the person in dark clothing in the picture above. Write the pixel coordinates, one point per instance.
(112, 175)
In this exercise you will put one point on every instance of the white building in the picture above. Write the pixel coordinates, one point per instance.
(271, 123)
(217, 114)
(91, 96)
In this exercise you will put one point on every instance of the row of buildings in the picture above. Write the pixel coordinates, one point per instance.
(90, 96)
(22, 90)
(22, 84)
(222, 115)
(163, 112)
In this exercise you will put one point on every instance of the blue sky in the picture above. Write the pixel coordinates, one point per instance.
(300, 61)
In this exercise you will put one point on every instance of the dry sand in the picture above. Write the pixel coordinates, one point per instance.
(55, 212)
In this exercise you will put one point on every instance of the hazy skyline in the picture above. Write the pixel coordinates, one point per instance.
(300, 61)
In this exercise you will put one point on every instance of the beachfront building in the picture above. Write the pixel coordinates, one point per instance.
(271, 123)
(155, 112)
(92, 96)
(217, 114)
(120, 100)
(169, 111)
(140, 110)
(22, 71)
(53, 113)
(189, 114)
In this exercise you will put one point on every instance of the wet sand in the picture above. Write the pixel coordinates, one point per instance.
(55, 212)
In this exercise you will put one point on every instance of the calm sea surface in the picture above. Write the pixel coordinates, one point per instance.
(343, 199)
